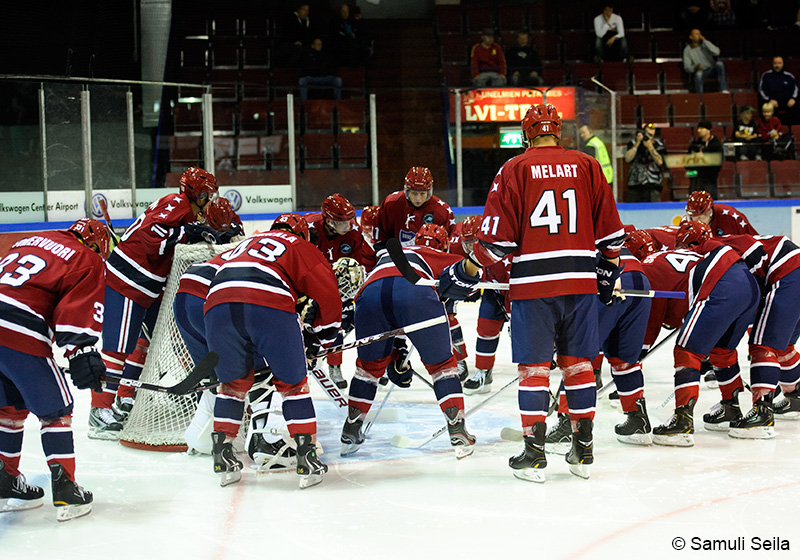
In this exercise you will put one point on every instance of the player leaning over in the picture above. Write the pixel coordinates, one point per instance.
(137, 272)
(552, 209)
(721, 218)
(51, 289)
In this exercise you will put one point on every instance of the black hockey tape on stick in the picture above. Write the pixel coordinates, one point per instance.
(203, 370)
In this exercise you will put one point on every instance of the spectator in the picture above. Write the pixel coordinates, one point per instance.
(747, 133)
(705, 178)
(343, 38)
(779, 87)
(318, 70)
(646, 156)
(524, 62)
(776, 138)
(699, 59)
(721, 12)
(487, 62)
(296, 34)
(609, 41)
(363, 37)
(597, 149)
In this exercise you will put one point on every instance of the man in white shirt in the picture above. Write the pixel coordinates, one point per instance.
(609, 42)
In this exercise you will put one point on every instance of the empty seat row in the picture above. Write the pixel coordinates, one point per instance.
(747, 179)
(682, 109)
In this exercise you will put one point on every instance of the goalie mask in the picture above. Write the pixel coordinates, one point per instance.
(350, 276)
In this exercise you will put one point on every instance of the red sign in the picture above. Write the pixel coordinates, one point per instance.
(510, 104)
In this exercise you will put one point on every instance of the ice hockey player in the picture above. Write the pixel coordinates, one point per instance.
(722, 299)
(388, 301)
(721, 218)
(553, 209)
(250, 308)
(335, 232)
(51, 290)
(136, 274)
(367, 223)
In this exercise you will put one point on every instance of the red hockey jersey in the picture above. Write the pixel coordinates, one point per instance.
(398, 218)
(351, 244)
(138, 267)
(729, 221)
(274, 269)
(664, 237)
(552, 209)
(426, 261)
(51, 289)
(197, 278)
(770, 257)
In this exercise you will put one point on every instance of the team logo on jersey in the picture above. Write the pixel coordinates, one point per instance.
(720, 232)
(427, 219)
(345, 248)
(235, 199)
(406, 237)
(97, 212)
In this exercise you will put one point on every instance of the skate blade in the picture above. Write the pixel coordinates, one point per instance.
(582, 471)
(479, 391)
(636, 439)
(721, 427)
(531, 475)
(17, 504)
(557, 448)
(794, 415)
(761, 432)
(228, 478)
(72, 511)
(677, 440)
(462, 451)
(95, 433)
(615, 403)
(306, 481)
(349, 449)
(712, 384)
(265, 462)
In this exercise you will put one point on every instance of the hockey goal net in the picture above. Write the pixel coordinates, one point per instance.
(158, 421)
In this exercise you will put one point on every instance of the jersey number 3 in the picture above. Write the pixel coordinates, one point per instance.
(27, 266)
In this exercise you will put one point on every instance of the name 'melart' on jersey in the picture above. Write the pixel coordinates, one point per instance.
(552, 171)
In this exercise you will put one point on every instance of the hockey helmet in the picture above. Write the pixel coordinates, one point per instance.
(699, 203)
(338, 213)
(94, 234)
(691, 233)
(368, 217)
(433, 235)
(199, 185)
(219, 214)
(469, 232)
(291, 222)
(350, 276)
(640, 244)
(540, 120)
(419, 179)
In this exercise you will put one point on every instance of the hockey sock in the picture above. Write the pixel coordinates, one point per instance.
(687, 385)
(134, 364)
(765, 371)
(487, 342)
(12, 425)
(335, 359)
(563, 408)
(789, 361)
(364, 386)
(298, 410)
(629, 381)
(457, 336)
(58, 445)
(447, 387)
(580, 387)
(229, 405)
(115, 363)
(533, 395)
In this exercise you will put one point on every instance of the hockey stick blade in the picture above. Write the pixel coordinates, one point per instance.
(203, 370)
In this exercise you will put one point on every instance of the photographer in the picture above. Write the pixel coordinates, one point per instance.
(646, 156)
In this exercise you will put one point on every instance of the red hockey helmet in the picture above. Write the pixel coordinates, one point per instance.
(292, 222)
(699, 203)
(433, 235)
(368, 217)
(94, 235)
(691, 233)
(219, 214)
(418, 179)
(640, 244)
(196, 182)
(541, 120)
(469, 231)
(337, 207)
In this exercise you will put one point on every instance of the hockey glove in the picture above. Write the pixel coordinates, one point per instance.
(348, 316)
(607, 274)
(230, 233)
(86, 367)
(313, 347)
(455, 283)
(309, 312)
(196, 233)
(400, 377)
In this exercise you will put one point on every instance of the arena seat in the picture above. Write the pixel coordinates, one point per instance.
(645, 77)
(717, 108)
(786, 175)
(726, 181)
(655, 109)
(676, 139)
(685, 108)
(753, 179)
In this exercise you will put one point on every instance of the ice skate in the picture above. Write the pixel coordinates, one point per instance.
(559, 437)
(226, 464)
(613, 400)
(788, 408)
(598, 379)
(270, 456)
(580, 455)
(70, 499)
(463, 370)
(480, 382)
(352, 432)
(462, 441)
(103, 424)
(529, 465)
(16, 494)
(636, 427)
(309, 467)
(335, 373)
(759, 423)
(122, 407)
(679, 431)
(723, 414)
(710, 380)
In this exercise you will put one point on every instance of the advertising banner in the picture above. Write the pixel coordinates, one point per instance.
(510, 104)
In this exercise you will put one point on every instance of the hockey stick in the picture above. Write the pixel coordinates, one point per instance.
(329, 387)
(408, 443)
(203, 370)
(107, 219)
(405, 268)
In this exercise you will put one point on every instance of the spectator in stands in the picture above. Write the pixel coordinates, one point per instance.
(595, 147)
(746, 132)
(318, 70)
(779, 87)
(609, 31)
(524, 62)
(296, 34)
(776, 138)
(344, 44)
(646, 156)
(363, 37)
(699, 60)
(487, 62)
(704, 177)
